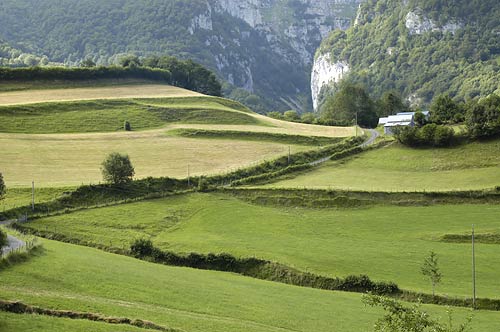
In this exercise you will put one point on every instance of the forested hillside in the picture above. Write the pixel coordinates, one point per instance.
(421, 48)
(262, 49)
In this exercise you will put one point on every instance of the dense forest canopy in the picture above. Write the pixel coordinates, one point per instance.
(423, 48)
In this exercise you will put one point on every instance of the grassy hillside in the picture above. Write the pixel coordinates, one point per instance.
(372, 241)
(223, 134)
(36, 323)
(103, 116)
(22, 196)
(397, 168)
(187, 299)
(127, 91)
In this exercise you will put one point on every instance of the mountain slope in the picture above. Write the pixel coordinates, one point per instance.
(420, 48)
(265, 47)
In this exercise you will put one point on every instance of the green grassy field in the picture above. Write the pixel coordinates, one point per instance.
(109, 115)
(16, 197)
(37, 323)
(187, 299)
(386, 243)
(397, 168)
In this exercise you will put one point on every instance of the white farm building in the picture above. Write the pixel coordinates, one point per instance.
(405, 119)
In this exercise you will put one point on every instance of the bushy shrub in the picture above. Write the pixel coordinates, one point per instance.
(126, 126)
(3, 189)
(3, 239)
(430, 135)
(142, 248)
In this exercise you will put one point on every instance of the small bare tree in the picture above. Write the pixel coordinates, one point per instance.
(430, 269)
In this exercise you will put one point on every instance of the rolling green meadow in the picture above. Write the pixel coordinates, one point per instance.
(187, 299)
(58, 135)
(35, 323)
(396, 168)
(332, 242)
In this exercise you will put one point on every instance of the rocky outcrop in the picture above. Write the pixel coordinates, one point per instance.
(301, 25)
(325, 72)
(417, 23)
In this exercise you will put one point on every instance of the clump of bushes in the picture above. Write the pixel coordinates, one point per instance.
(3, 239)
(429, 135)
(126, 126)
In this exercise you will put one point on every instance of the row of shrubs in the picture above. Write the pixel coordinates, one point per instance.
(429, 135)
(260, 269)
(284, 165)
(320, 198)
(260, 136)
(22, 308)
(292, 169)
(78, 74)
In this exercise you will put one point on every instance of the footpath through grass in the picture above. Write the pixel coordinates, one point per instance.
(187, 299)
(397, 168)
(386, 243)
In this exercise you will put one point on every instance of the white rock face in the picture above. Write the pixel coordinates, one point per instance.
(323, 73)
(417, 24)
(202, 21)
(321, 17)
(247, 10)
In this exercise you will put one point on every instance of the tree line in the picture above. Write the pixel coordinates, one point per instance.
(480, 119)
(181, 73)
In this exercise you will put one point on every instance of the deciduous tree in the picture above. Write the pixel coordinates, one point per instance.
(117, 168)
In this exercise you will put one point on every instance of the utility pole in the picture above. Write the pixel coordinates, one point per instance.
(33, 195)
(289, 154)
(473, 271)
(189, 178)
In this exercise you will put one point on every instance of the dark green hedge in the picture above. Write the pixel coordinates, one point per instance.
(260, 269)
(76, 74)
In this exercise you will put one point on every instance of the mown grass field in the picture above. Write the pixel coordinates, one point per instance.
(397, 168)
(386, 243)
(187, 299)
(22, 85)
(73, 159)
(34, 96)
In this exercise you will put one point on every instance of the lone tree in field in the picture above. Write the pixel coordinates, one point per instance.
(117, 168)
(3, 189)
(430, 269)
